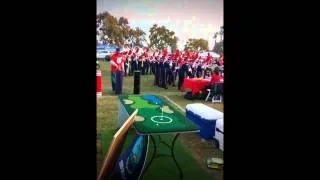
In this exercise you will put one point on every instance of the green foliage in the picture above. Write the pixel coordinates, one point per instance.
(161, 37)
(118, 32)
(136, 37)
(218, 46)
(196, 44)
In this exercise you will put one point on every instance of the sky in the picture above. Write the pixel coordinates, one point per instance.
(188, 19)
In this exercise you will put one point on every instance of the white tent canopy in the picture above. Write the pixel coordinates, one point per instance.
(205, 54)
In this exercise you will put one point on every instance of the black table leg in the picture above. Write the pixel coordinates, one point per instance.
(156, 155)
(174, 157)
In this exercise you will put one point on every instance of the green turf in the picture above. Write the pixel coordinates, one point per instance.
(179, 122)
(165, 168)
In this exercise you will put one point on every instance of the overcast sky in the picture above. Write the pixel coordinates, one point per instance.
(188, 19)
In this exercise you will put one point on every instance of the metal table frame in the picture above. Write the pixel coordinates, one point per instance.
(155, 153)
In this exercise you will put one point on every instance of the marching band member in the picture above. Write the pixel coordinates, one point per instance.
(172, 64)
(165, 72)
(158, 71)
(134, 63)
(152, 63)
(129, 62)
(183, 69)
(199, 69)
(221, 59)
(142, 68)
(162, 72)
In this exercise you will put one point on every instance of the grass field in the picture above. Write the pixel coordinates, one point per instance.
(190, 147)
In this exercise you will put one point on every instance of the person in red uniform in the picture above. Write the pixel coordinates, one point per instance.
(116, 67)
(209, 59)
(216, 78)
(221, 59)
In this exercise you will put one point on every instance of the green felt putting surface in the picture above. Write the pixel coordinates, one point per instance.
(158, 114)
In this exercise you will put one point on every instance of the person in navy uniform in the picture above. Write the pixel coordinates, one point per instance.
(142, 67)
(139, 63)
(162, 73)
(170, 71)
(190, 70)
(126, 66)
(158, 71)
(156, 65)
(173, 70)
(133, 64)
(183, 70)
(199, 70)
(166, 73)
(147, 66)
(153, 62)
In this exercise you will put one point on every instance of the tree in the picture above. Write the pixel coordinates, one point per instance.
(161, 37)
(215, 37)
(221, 33)
(136, 37)
(174, 44)
(218, 46)
(117, 31)
(196, 45)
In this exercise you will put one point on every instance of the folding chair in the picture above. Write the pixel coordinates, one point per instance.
(216, 92)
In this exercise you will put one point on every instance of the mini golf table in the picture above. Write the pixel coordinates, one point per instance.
(155, 117)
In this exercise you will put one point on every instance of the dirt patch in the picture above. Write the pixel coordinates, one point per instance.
(202, 150)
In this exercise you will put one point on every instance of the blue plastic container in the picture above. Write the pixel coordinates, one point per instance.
(207, 126)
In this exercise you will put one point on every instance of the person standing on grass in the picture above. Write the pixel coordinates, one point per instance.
(154, 69)
(133, 64)
(167, 71)
(183, 70)
(221, 59)
(146, 64)
(116, 71)
(173, 71)
(126, 63)
(143, 60)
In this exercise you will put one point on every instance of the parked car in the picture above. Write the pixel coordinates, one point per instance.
(104, 54)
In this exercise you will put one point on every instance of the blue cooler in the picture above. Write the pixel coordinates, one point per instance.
(205, 117)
